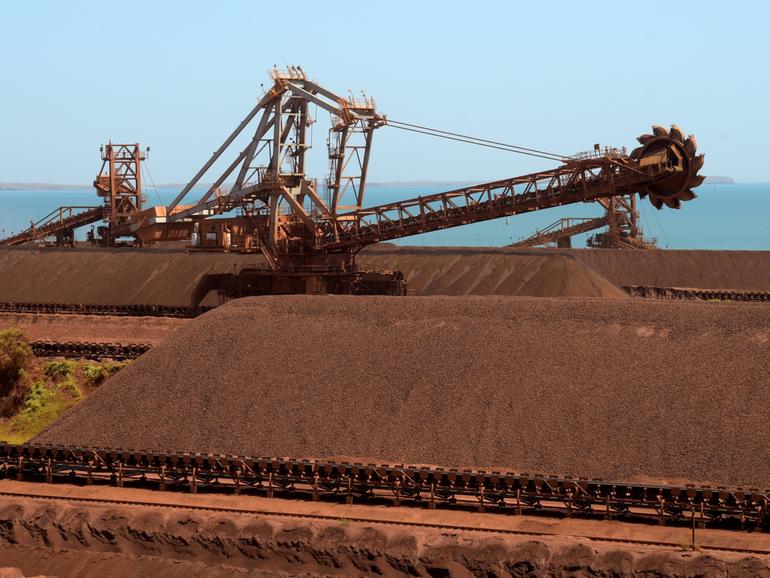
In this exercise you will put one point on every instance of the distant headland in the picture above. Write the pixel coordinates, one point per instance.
(719, 181)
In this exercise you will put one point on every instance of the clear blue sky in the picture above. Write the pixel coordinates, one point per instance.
(553, 75)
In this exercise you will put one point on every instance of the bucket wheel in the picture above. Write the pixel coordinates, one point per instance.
(677, 183)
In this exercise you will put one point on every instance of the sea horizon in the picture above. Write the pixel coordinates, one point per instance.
(723, 217)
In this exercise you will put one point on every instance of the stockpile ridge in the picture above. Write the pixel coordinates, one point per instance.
(471, 270)
(628, 390)
(170, 276)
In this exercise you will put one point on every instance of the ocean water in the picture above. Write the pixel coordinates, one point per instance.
(722, 217)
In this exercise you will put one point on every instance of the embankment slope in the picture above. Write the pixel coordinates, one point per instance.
(109, 276)
(616, 389)
(453, 270)
(169, 276)
(447, 271)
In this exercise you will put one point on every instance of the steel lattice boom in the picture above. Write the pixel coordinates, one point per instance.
(60, 222)
(574, 182)
(301, 227)
(310, 232)
(561, 232)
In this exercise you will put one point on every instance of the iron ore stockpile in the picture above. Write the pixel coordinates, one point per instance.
(109, 276)
(169, 277)
(623, 390)
(566, 272)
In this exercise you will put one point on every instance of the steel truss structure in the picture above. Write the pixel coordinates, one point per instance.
(300, 228)
(398, 484)
(574, 182)
(119, 183)
(289, 212)
(623, 228)
(310, 234)
(60, 223)
(620, 218)
(561, 232)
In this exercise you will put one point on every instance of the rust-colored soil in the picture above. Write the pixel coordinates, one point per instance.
(109, 276)
(169, 276)
(92, 328)
(496, 272)
(439, 270)
(93, 540)
(747, 270)
(627, 390)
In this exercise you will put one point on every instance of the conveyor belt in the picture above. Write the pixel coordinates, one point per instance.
(88, 350)
(102, 309)
(512, 493)
(57, 221)
(696, 294)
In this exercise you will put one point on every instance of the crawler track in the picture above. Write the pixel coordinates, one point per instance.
(89, 350)
(696, 294)
(101, 309)
(395, 484)
(360, 520)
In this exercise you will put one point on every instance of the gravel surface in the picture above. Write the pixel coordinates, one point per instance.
(617, 389)
(438, 271)
(169, 276)
(749, 270)
(92, 328)
(109, 276)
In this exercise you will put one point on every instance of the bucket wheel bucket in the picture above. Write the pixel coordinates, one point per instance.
(680, 153)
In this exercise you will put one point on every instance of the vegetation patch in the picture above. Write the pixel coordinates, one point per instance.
(59, 368)
(42, 405)
(35, 392)
(97, 373)
(15, 354)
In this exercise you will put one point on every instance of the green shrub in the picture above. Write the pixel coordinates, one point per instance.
(92, 372)
(37, 394)
(42, 405)
(97, 373)
(59, 369)
(15, 353)
(70, 388)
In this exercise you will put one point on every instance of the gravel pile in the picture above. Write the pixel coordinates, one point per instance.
(747, 270)
(169, 276)
(443, 271)
(433, 270)
(617, 389)
(110, 276)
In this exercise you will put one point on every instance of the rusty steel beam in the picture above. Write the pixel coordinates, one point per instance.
(560, 230)
(574, 182)
(57, 221)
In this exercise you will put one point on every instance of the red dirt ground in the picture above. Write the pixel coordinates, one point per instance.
(93, 540)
